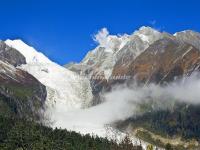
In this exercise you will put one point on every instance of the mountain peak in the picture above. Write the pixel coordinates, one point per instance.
(146, 28)
(147, 34)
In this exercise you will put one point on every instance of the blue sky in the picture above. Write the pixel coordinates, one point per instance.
(63, 29)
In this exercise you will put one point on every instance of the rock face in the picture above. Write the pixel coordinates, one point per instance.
(163, 61)
(21, 94)
(114, 49)
(10, 55)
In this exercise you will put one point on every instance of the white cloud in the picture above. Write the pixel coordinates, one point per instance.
(109, 42)
(102, 37)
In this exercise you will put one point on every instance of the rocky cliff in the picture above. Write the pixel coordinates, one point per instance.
(21, 94)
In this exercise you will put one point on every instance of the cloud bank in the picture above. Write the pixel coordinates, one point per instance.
(124, 102)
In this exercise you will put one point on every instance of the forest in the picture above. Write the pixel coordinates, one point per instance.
(20, 134)
(182, 121)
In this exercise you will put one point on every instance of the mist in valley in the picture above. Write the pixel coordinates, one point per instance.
(124, 102)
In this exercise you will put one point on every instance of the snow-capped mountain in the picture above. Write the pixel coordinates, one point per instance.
(112, 48)
(63, 86)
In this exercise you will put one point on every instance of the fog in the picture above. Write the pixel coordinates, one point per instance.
(124, 102)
